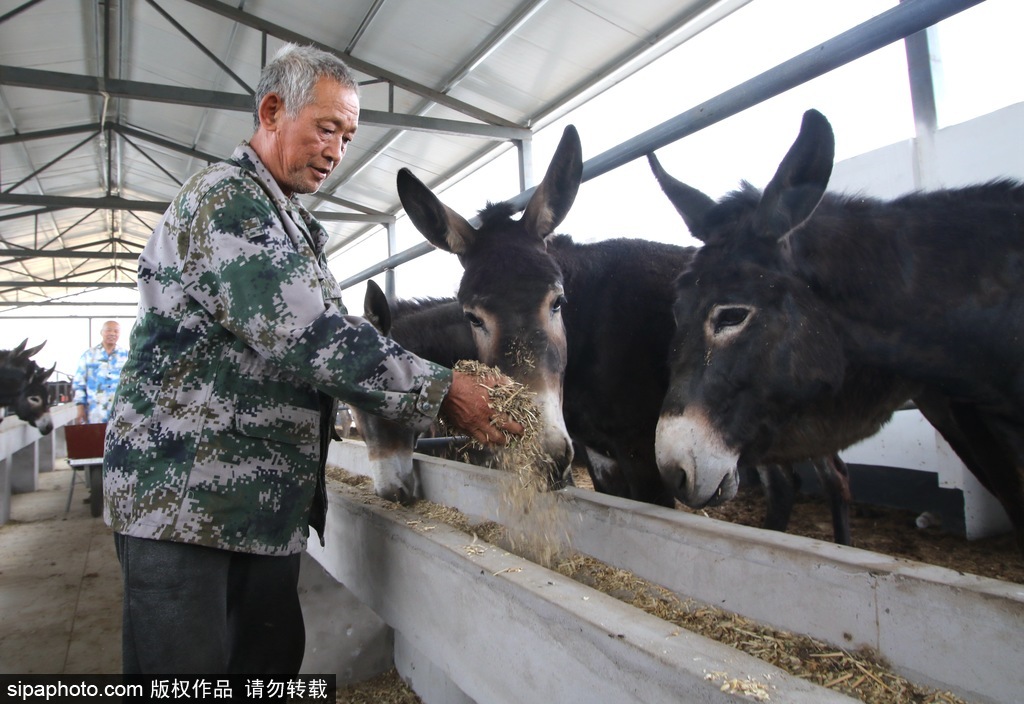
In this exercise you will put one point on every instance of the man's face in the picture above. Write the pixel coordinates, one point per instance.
(309, 146)
(110, 334)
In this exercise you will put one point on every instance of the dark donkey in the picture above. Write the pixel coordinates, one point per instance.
(543, 307)
(23, 386)
(807, 318)
(433, 328)
(437, 329)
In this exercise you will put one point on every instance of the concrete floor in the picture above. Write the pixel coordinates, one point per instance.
(60, 584)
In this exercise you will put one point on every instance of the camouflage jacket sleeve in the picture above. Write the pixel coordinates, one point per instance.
(256, 273)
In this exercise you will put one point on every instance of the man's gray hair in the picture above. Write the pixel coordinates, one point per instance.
(292, 74)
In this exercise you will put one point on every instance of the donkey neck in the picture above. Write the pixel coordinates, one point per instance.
(12, 384)
(435, 330)
(618, 311)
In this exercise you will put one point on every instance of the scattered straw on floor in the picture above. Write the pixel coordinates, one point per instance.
(860, 674)
(386, 688)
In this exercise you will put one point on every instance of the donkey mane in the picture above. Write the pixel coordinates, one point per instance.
(411, 306)
(433, 328)
(495, 212)
(747, 196)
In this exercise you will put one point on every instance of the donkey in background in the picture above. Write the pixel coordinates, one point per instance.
(23, 386)
(807, 318)
(434, 329)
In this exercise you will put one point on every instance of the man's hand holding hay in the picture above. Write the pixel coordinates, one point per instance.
(470, 406)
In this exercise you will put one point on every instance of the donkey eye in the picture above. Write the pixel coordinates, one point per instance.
(728, 317)
(558, 303)
(474, 320)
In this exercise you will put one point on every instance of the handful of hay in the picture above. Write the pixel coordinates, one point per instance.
(512, 398)
(533, 517)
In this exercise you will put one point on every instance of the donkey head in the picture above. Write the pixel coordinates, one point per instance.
(511, 289)
(434, 329)
(25, 387)
(752, 343)
(389, 445)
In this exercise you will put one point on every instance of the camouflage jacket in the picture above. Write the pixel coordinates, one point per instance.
(216, 434)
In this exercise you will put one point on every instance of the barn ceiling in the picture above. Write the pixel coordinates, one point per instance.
(106, 107)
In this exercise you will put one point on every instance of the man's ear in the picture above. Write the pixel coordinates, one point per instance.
(270, 111)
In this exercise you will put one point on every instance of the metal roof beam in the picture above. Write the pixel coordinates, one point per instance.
(50, 163)
(19, 254)
(126, 131)
(123, 130)
(199, 45)
(196, 97)
(63, 283)
(438, 97)
(18, 10)
(118, 88)
(345, 203)
(118, 203)
(29, 213)
(105, 202)
(442, 126)
(47, 134)
(170, 177)
(329, 216)
(59, 303)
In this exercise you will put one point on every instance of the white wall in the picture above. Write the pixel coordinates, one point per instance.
(982, 149)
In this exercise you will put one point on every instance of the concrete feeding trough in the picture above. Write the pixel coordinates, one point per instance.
(485, 625)
(24, 452)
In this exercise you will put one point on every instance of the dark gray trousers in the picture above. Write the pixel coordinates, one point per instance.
(190, 609)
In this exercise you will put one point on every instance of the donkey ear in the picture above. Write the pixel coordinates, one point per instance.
(376, 308)
(688, 201)
(554, 196)
(798, 185)
(33, 350)
(442, 226)
(42, 375)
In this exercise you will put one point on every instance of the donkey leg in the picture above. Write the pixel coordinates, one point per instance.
(835, 483)
(991, 447)
(1010, 440)
(779, 494)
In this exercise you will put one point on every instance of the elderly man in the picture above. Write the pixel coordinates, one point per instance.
(216, 446)
(97, 376)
